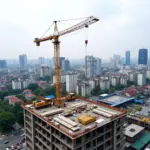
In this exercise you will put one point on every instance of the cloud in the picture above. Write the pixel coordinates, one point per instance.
(124, 25)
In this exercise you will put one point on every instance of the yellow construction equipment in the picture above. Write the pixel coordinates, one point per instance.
(70, 96)
(41, 103)
(86, 119)
(145, 120)
(55, 37)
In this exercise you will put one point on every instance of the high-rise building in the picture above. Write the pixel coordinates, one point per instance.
(16, 84)
(90, 126)
(143, 56)
(44, 71)
(122, 61)
(48, 62)
(41, 60)
(115, 80)
(123, 80)
(148, 74)
(61, 59)
(116, 62)
(20, 84)
(66, 65)
(132, 76)
(128, 58)
(93, 65)
(63, 78)
(141, 79)
(104, 84)
(23, 61)
(98, 66)
(3, 64)
(71, 81)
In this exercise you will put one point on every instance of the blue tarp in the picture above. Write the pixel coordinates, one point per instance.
(139, 101)
(50, 96)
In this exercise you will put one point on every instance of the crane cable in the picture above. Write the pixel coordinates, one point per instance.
(86, 43)
(63, 21)
(73, 19)
(47, 30)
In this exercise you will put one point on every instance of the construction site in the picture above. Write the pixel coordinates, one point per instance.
(80, 125)
(70, 122)
(139, 115)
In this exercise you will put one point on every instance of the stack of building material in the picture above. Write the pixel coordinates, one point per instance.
(103, 113)
(78, 105)
(52, 112)
(66, 122)
(106, 112)
(86, 119)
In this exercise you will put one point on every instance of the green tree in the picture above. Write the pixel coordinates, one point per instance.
(106, 91)
(112, 89)
(119, 87)
(3, 94)
(17, 108)
(18, 112)
(147, 81)
(21, 96)
(37, 91)
(33, 86)
(4, 106)
(46, 78)
(51, 90)
(130, 83)
(7, 119)
(42, 93)
(96, 91)
(20, 117)
(14, 92)
(64, 92)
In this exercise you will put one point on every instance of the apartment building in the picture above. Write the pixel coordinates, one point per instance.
(79, 125)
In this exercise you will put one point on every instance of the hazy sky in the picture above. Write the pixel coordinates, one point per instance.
(124, 25)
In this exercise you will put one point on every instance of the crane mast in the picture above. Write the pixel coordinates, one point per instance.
(56, 42)
(55, 37)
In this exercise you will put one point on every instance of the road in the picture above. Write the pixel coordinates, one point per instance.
(12, 140)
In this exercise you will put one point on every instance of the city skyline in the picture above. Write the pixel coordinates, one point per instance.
(122, 27)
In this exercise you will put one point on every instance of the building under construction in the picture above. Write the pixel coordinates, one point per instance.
(81, 124)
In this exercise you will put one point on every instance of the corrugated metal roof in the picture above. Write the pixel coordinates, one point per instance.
(141, 142)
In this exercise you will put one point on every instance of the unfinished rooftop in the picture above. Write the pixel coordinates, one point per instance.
(78, 117)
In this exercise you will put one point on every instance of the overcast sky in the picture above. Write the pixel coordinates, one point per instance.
(124, 25)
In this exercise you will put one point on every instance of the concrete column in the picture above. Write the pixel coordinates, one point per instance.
(33, 131)
(114, 135)
(50, 138)
(24, 124)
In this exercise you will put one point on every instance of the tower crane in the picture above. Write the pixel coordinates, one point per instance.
(55, 38)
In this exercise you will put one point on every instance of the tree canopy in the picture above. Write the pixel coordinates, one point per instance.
(9, 114)
(33, 86)
(7, 119)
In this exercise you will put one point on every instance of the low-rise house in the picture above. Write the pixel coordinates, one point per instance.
(13, 99)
